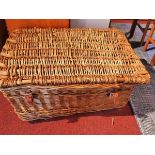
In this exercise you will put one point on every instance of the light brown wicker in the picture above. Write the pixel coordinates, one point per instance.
(69, 56)
(89, 62)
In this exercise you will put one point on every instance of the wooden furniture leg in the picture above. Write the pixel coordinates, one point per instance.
(110, 23)
(150, 38)
(145, 31)
(132, 30)
(153, 61)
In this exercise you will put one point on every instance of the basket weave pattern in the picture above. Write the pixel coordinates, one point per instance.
(42, 102)
(69, 56)
(59, 72)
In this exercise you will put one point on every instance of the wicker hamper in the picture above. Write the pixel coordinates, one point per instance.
(49, 72)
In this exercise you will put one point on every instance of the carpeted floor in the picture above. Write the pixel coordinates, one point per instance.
(120, 121)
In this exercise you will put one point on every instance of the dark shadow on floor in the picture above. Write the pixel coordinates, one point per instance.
(125, 111)
(147, 66)
(135, 44)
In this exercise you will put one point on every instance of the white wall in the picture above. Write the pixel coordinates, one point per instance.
(90, 23)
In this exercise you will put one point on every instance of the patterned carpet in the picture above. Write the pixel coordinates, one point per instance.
(143, 97)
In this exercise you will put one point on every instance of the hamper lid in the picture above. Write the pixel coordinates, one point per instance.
(69, 56)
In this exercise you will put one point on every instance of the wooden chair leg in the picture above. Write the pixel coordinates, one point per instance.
(145, 31)
(149, 37)
(132, 29)
(153, 61)
(146, 44)
(110, 23)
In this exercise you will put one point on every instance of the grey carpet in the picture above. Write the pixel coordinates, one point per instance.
(144, 108)
(143, 97)
(143, 103)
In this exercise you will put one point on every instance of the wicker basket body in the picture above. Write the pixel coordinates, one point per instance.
(42, 102)
(57, 72)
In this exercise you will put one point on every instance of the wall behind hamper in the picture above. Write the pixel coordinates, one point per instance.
(90, 23)
(3, 33)
(13, 24)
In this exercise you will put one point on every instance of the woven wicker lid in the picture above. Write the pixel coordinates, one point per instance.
(69, 56)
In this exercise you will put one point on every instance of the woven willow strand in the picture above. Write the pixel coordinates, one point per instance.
(69, 56)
